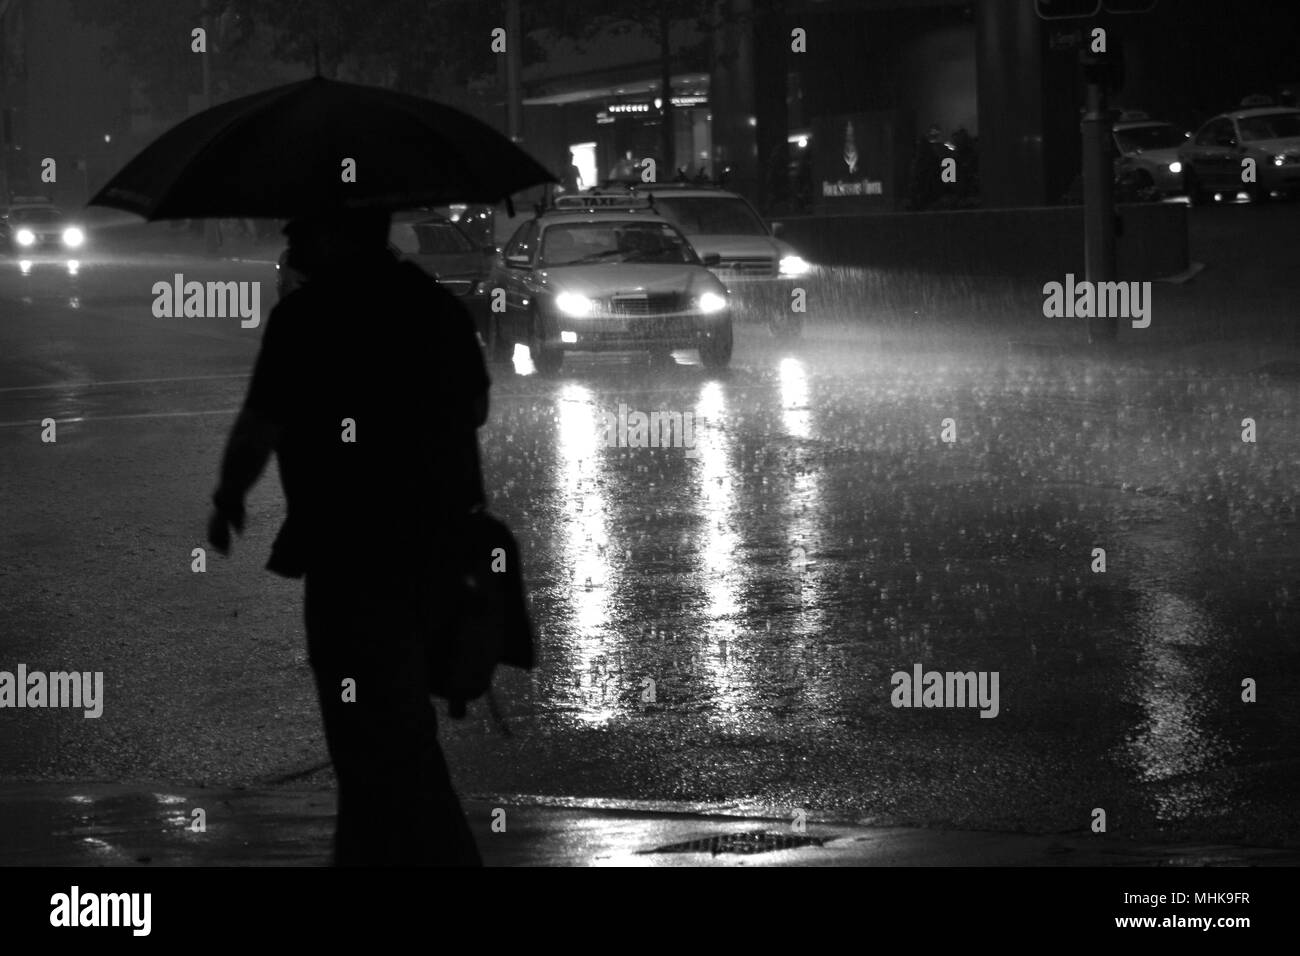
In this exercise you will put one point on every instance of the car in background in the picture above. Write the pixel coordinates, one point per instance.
(34, 226)
(1147, 165)
(436, 245)
(607, 274)
(1213, 158)
(757, 267)
(473, 219)
(442, 249)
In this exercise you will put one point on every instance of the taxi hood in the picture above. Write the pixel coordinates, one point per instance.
(739, 247)
(1165, 155)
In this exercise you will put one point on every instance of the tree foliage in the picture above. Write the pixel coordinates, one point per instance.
(418, 46)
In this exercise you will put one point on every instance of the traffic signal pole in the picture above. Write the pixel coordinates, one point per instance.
(1098, 201)
(1102, 71)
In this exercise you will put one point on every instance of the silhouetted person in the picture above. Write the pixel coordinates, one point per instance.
(778, 178)
(927, 170)
(572, 178)
(625, 170)
(369, 388)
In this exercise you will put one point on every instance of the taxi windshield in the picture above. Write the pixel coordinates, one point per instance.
(711, 215)
(1160, 136)
(582, 243)
(36, 214)
(1269, 126)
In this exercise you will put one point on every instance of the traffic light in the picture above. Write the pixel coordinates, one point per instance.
(1066, 9)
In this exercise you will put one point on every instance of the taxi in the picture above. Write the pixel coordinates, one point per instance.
(1215, 158)
(1147, 166)
(605, 273)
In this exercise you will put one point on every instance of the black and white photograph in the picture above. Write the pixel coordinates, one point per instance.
(821, 434)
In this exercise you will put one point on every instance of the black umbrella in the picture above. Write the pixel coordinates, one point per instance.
(283, 153)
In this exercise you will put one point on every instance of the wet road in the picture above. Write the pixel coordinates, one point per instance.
(765, 584)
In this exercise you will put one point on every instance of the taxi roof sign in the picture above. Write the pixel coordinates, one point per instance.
(602, 201)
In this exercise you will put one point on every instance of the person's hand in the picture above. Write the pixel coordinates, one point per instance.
(224, 517)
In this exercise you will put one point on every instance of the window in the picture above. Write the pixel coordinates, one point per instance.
(616, 241)
(1148, 137)
(441, 238)
(36, 214)
(1269, 126)
(522, 242)
(1214, 131)
(711, 215)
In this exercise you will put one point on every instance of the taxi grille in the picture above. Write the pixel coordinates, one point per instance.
(664, 326)
(658, 303)
(761, 266)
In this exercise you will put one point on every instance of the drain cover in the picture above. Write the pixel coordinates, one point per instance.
(759, 841)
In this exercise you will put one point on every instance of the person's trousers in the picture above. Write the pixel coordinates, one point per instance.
(365, 641)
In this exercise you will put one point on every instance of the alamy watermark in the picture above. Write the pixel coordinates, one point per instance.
(82, 690)
(633, 429)
(946, 689)
(1098, 300)
(208, 300)
(77, 909)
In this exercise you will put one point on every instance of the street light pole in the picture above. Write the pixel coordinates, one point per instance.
(211, 238)
(514, 64)
(1098, 203)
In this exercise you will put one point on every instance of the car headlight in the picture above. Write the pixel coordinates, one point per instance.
(712, 302)
(793, 266)
(73, 237)
(1286, 159)
(25, 237)
(1175, 167)
(570, 303)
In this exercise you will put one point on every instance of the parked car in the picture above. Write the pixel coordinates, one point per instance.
(1213, 160)
(607, 274)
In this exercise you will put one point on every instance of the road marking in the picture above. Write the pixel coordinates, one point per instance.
(125, 381)
(122, 418)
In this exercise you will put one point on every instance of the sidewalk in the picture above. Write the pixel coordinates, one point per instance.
(113, 825)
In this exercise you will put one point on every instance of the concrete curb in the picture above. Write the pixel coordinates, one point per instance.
(104, 824)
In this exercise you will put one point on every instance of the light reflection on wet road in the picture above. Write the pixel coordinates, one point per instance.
(821, 537)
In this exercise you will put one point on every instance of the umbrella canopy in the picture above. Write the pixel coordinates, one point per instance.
(283, 153)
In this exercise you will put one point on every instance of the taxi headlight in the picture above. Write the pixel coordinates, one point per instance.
(25, 237)
(570, 303)
(793, 266)
(1175, 168)
(73, 237)
(712, 302)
